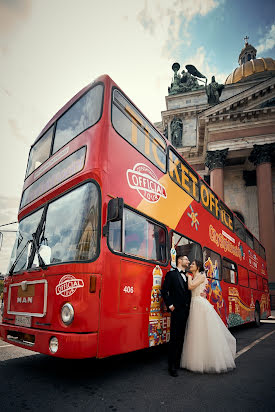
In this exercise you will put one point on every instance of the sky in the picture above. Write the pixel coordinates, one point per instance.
(51, 49)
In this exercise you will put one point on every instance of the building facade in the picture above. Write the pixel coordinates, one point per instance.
(231, 143)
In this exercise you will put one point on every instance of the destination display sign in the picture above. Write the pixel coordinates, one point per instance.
(62, 171)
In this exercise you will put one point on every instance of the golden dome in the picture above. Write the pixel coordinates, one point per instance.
(256, 67)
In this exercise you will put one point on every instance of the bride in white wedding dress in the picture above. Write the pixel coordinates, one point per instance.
(208, 344)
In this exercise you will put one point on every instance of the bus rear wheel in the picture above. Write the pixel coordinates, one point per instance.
(257, 316)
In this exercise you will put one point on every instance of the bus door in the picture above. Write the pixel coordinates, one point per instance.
(142, 244)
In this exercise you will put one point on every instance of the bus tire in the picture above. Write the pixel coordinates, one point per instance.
(257, 315)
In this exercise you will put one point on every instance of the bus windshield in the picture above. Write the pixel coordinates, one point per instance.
(68, 230)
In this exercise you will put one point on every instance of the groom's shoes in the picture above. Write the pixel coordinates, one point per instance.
(173, 372)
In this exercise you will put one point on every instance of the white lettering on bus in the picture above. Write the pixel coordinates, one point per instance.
(21, 299)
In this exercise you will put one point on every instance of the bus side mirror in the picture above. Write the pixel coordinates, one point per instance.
(115, 209)
(114, 212)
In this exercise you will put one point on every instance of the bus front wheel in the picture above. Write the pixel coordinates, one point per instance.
(257, 316)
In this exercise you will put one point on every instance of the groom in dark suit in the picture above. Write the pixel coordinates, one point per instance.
(177, 298)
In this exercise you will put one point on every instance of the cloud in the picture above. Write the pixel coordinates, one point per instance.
(12, 13)
(8, 209)
(268, 41)
(200, 60)
(173, 21)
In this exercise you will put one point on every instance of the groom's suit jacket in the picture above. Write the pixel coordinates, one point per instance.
(175, 292)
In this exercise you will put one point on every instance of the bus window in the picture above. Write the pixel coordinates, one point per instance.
(262, 252)
(133, 127)
(253, 280)
(40, 152)
(75, 238)
(212, 264)
(260, 282)
(83, 114)
(114, 237)
(229, 271)
(256, 245)
(243, 276)
(191, 249)
(139, 237)
(239, 229)
(249, 240)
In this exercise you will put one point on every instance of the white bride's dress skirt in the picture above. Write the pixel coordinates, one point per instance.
(208, 344)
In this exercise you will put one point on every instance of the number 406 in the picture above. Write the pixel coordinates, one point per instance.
(128, 289)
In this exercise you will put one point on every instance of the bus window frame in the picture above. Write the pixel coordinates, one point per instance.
(55, 124)
(256, 274)
(251, 238)
(182, 235)
(40, 177)
(172, 149)
(242, 286)
(46, 206)
(235, 218)
(151, 220)
(41, 137)
(256, 245)
(114, 88)
(220, 256)
(262, 253)
(236, 271)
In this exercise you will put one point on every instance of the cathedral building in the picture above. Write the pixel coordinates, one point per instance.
(227, 133)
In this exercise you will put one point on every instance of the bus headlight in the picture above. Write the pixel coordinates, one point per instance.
(53, 345)
(67, 313)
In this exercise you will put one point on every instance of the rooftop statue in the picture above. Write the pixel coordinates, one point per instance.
(183, 83)
(214, 91)
(188, 81)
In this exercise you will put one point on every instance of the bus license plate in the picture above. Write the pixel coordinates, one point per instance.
(23, 321)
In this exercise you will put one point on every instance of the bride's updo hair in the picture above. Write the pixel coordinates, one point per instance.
(199, 265)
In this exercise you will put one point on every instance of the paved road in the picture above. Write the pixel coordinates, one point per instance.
(139, 381)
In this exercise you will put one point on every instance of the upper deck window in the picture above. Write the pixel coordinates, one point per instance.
(40, 152)
(133, 127)
(249, 239)
(262, 252)
(239, 229)
(82, 115)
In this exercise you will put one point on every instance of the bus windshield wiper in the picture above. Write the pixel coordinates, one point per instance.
(35, 236)
(18, 257)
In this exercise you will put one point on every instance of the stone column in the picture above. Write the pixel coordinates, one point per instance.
(215, 161)
(261, 157)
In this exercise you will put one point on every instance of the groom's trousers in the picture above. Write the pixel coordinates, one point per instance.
(177, 332)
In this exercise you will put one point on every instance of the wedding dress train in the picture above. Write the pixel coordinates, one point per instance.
(208, 344)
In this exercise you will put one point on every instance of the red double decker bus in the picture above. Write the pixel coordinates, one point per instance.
(105, 202)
